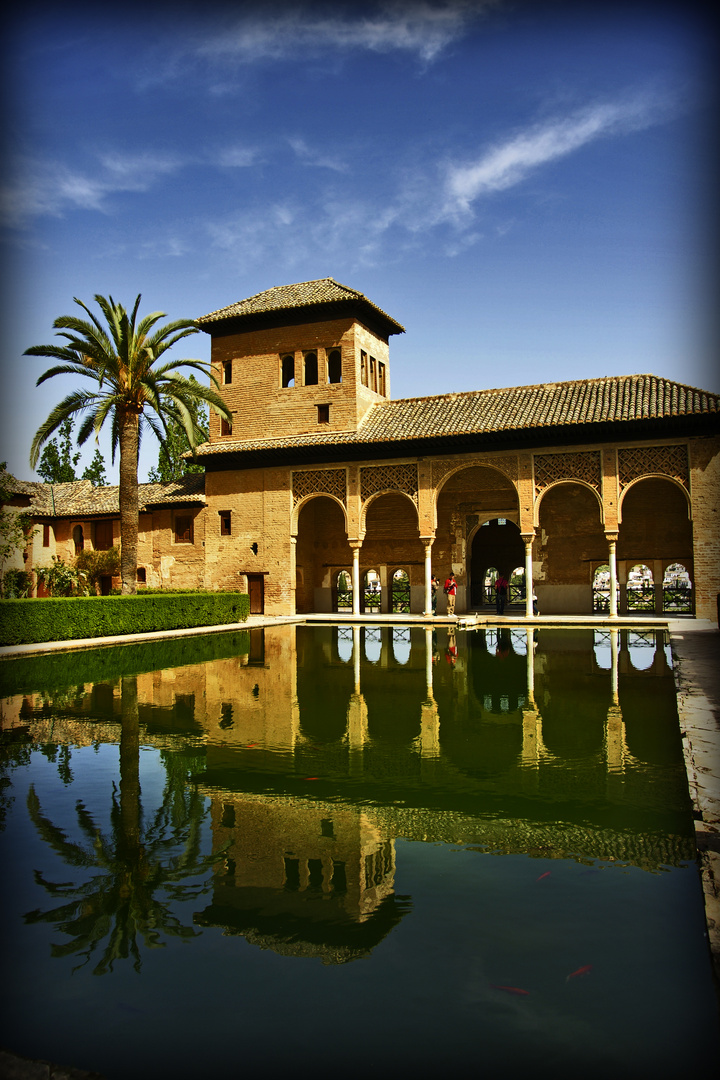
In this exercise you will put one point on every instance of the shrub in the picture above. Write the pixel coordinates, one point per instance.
(70, 618)
(98, 564)
(16, 584)
(62, 580)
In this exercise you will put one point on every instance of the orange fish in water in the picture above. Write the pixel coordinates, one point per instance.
(580, 971)
(251, 744)
(510, 989)
(546, 874)
(311, 777)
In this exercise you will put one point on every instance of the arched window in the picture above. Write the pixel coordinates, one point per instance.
(311, 369)
(491, 576)
(601, 590)
(343, 584)
(677, 589)
(78, 539)
(401, 592)
(288, 370)
(640, 588)
(372, 595)
(516, 592)
(334, 366)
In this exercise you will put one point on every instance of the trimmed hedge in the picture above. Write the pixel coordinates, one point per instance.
(73, 617)
(51, 672)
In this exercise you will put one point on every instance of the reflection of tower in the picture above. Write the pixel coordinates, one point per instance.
(302, 878)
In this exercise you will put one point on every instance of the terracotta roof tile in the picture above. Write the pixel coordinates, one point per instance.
(288, 297)
(80, 498)
(624, 398)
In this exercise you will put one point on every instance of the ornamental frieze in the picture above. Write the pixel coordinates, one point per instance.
(319, 482)
(584, 466)
(637, 461)
(375, 478)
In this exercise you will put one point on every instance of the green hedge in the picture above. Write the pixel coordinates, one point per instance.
(69, 618)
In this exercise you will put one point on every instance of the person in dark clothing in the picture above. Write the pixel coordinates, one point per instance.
(501, 588)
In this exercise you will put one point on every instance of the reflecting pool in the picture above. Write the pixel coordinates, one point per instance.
(370, 849)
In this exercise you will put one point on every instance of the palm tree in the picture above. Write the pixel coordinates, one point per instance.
(121, 358)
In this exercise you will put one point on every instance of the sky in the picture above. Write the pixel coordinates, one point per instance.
(529, 188)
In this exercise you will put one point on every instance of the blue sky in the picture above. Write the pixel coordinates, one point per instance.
(527, 187)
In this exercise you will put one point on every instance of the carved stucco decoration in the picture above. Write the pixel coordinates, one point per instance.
(375, 478)
(319, 482)
(637, 461)
(585, 466)
(507, 465)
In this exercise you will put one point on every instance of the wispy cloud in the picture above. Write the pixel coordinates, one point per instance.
(51, 188)
(308, 156)
(421, 27)
(510, 162)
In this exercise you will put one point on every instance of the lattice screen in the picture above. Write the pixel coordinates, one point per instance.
(549, 468)
(319, 482)
(376, 478)
(637, 461)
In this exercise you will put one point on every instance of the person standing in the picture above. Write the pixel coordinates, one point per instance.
(434, 586)
(501, 588)
(450, 592)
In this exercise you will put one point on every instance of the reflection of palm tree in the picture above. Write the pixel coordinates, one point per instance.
(118, 903)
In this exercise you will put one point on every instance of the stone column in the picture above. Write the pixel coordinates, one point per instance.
(427, 542)
(612, 563)
(528, 540)
(356, 545)
(293, 575)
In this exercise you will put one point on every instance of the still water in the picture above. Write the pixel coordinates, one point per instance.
(358, 849)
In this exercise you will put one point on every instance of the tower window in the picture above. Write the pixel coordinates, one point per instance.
(334, 366)
(288, 370)
(381, 379)
(226, 523)
(363, 368)
(227, 371)
(225, 426)
(373, 374)
(311, 369)
(323, 414)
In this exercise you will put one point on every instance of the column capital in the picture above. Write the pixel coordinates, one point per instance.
(428, 540)
(528, 537)
(612, 537)
(355, 544)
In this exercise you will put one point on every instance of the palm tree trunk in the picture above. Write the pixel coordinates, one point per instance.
(129, 443)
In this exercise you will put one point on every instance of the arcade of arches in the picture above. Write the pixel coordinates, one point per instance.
(360, 529)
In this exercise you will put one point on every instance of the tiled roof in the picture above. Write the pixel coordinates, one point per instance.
(81, 499)
(616, 399)
(288, 297)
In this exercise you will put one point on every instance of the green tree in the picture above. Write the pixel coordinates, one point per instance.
(57, 464)
(95, 471)
(171, 464)
(131, 387)
(16, 529)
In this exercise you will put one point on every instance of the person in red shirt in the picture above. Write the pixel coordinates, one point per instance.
(450, 592)
(501, 588)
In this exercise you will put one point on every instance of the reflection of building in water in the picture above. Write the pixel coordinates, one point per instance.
(302, 878)
(574, 719)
